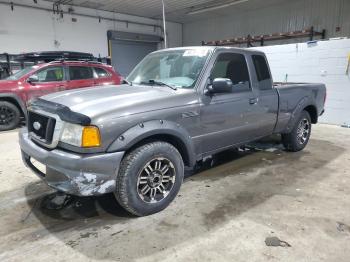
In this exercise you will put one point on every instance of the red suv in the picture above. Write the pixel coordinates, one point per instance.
(42, 79)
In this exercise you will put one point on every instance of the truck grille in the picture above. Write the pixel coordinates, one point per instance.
(41, 127)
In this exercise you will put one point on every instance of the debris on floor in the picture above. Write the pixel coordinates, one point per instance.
(276, 242)
(56, 201)
(89, 234)
(341, 227)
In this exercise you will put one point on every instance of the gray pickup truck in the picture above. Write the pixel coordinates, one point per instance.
(177, 107)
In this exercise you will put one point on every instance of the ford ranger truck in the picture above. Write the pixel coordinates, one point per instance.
(176, 108)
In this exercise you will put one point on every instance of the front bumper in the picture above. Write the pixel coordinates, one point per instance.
(72, 173)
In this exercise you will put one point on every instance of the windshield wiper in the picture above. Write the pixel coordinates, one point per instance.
(159, 83)
(124, 81)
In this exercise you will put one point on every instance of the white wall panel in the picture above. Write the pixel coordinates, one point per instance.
(325, 62)
(28, 30)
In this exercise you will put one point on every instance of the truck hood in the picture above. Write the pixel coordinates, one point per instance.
(117, 101)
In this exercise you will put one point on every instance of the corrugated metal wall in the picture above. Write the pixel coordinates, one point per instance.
(275, 17)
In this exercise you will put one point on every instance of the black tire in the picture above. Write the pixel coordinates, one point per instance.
(298, 138)
(134, 176)
(10, 116)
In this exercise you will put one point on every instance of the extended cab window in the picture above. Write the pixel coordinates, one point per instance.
(234, 67)
(80, 72)
(101, 73)
(50, 74)
(262, 72)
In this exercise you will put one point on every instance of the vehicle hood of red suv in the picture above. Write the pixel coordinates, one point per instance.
(7, 85)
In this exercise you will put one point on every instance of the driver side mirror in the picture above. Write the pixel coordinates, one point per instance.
(220, 85)
(33, 79)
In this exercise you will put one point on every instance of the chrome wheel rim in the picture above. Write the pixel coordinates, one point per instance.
(155, 180)
(7, 115)
(303, 131)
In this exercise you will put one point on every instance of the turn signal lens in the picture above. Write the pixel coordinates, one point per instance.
(91, 137)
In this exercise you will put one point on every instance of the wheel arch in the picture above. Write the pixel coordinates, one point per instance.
(312, 110)
(304, 104)
(16, 101)
(169, 138)
(157, 130)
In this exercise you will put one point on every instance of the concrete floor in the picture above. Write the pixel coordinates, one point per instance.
(223, 213)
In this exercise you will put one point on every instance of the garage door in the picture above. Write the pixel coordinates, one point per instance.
(128, 49)
(127, 54)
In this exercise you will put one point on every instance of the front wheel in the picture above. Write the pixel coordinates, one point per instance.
(149, 178)
(10, 116)
(298, 138)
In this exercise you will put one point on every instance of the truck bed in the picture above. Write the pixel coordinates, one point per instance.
(293, 95)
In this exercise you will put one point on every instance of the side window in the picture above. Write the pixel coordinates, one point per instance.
(101, 73)
(50, 74)
(262, 72)
(234, 67)
(80, 72)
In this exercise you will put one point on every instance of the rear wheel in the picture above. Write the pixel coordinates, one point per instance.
(9, 116)
(149, 178)
(298, 138)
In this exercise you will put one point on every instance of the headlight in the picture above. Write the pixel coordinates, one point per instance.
(81, 136)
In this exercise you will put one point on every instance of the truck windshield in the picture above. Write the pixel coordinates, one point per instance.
(21, 73)
(177, 68)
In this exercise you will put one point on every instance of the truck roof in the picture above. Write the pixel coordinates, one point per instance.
(212, 48)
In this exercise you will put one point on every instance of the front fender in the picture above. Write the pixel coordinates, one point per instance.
(17, 99)
(151, 128)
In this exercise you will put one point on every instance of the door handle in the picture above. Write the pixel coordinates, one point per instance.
(253, 101)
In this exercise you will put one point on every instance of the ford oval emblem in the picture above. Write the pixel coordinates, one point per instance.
(36, 126)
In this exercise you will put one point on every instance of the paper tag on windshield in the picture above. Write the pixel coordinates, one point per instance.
(196, 52)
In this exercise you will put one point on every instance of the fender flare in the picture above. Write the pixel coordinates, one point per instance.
(303, 103)
(19, 101)
(145, 130)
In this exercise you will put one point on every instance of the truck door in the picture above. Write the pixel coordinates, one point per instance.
(48, 80)
(229, 118)
(267, 102)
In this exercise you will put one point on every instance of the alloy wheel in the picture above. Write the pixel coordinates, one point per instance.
(303, 131)
(7, 115)
(156, 180)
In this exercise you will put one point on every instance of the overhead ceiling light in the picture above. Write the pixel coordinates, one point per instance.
(214, 7)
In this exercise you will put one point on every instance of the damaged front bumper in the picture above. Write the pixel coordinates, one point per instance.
(75, 174)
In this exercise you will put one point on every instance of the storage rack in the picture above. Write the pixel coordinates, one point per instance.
(261, 39)
(49, 56)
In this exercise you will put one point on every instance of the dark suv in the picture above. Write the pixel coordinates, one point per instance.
(42, 79)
